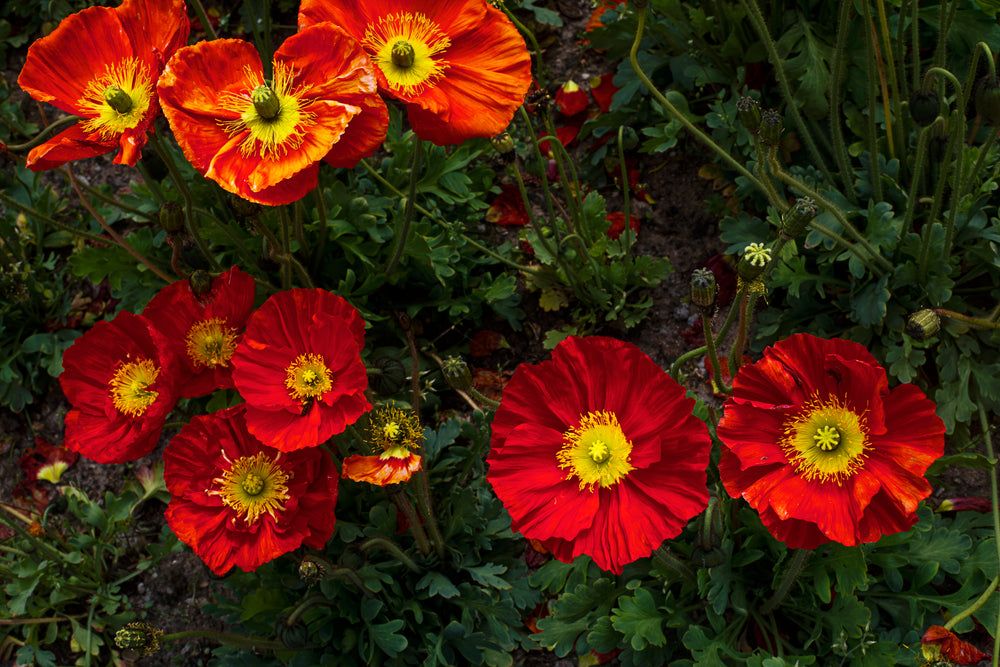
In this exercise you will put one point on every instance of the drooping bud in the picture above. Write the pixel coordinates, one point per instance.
(140, 637)
(266, 102)
(988, 100)
(402, 54)
(923, 324)
(386, 376)
(201, 282)
(925, 106)
(755, 258)
(629, 138)
(118, 99)
(310, 571)
(749, 110)
(703, 288)
(771, 127)
(457, 373)
(171, 217)
(798, 217)
(242, 207)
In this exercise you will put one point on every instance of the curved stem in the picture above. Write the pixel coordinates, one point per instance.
(787, 581)
(404, 227)
(918, 166)
(974, 607)
(27, 210)
(226, 638)
(627, 233)
(984, 423)
(389, 547)
(41, 136)
(713, 355)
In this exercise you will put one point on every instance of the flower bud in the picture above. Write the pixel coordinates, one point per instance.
(923, 324)
(171, 217)
(703, 288)
(925, 106)
(798, 217)
(755, 258)
(242, 207)
(456, 372)
(771, 127)
(140, 637)
(310, 571)
(386, 376)
(749, 110)
(201, 282)
(503, 142)
(988, 100)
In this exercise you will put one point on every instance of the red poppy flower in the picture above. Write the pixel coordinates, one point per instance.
(299, 368)
(396, 435)
(460, 66)
(939, 643)
(203, 329)
(816, 442)
(102, 64)
(586, 464)
(236, 501)
(617, 220)
(121, 379)
(264, 140)
(508, 208)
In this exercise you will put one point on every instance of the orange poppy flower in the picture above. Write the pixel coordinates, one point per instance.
(299, 368)
(237, 502)
(460, 66)
(121, 379)
(264, 140)
(102, 64)
(203, 329)
(394, 434)
(817, 443)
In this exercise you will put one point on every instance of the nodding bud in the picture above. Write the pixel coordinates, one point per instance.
(242, 207)
(402, 54)
(140, 637)
(201, 282)
(456, 372)
(988, 100)
(310, 571)
(749, 110)
(703, 288)
(118, 99)
(266, 102)
(798, 217)
(755, 258)
(503, 143)
(925, 106)
(386, 376)
(923, 324)
(771, 127)
(629, 138)
(171, 217)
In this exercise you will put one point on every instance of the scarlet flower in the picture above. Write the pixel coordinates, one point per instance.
(264, 140)
(817, 443)
(396, 435)
(236, 501)
(461, 67)
(299, 368)
(203, 329)
(121, 379)
(508, 209)
(586, 464)
(102, 64)
(617, 220)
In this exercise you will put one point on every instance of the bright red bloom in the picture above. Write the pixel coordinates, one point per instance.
(460, 66)
(938, 643)
(236, 501)
(264, 140)
(204, 329)
(817, 443)
(588, 465)
(299, 368)
(102, 64)
(121, 379)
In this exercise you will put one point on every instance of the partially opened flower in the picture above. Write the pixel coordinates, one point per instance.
(586, 464)
(102, 64)
(236, 501)
(817, 443)
(299, 368)
(264, 140)
(460, 66)
(396, 435)
(120, 377)
(203, 329)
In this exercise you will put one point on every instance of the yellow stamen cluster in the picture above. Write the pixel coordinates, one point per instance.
(129, 386)
(406, 46)
(395, 433)
(210, 343)
(596, 452)
(117, 100)
(308, 377)
(826, 441)
(253, 486)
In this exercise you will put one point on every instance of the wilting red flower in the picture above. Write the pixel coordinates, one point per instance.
(299, 368)
(460, 66)
(571, 99)
(938, 643)
(508, 208)
(120, 377)
(396, 435)
(236, 501)
(617, 220)
(817, 443)
(974, 503)
(102, 64)
(203, 329)
(46, 461)
(264, 140)
(586, 464)
(603, 89)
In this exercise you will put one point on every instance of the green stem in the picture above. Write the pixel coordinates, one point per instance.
(799, 557)
(872, 133)
(730, 318)
(984, 423)
(974, 322)
(403, 503)
(534, 44)
(713, 355)
(627, 233)
(226, 638)
(746, 313)
(287, 258)
(112, 201)
(324, 231)
(203, 17)
(541, 163)
(918, 166)
(41, 136)
(974, 607)
(403, 229)
(482, 398)
(664, 555)
(894, 100)
(389, 547)
(27, 210)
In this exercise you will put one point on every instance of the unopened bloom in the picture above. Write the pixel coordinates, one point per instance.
(817, 443)
(396, 435)
(102, 64)
(586, 464)
(264, 140)
(461, 67)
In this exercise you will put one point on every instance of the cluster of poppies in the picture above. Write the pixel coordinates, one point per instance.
(461, 68)
(250, 482)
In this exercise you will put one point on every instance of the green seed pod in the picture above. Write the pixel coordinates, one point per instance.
(703, 288)
(755, 258)
(923, 324)
(457, 373)
(798, 217)
(503, 143)
(925, 106)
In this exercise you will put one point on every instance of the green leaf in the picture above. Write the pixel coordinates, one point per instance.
(638, 618)
(437, 585)
(869, 304)
(809, 67)
(486, 575)
(385, 637)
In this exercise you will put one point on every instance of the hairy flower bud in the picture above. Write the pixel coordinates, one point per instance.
(798, 217)
(771, 127)
(503, 143)
(242, 207)
(923, 324)
(703, 288)
(988, 100)
(171, 217)
(749, 109)
(925, 106)
(386, 376)
(456, 372)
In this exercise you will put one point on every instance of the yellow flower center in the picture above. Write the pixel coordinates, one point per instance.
(394, 432)
(826, 441)
(308, 377)
(210, 343)
(253, 485)
(596, 452)
(275, 117)
(130, 386)
(391, 430)
(405, 46)
(118, 99)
